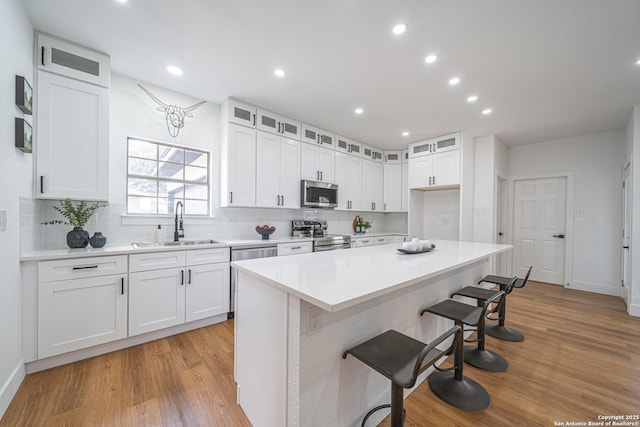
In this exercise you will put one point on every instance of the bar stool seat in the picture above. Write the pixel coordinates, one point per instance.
(466, 314)
(501, 331)
(401, 359)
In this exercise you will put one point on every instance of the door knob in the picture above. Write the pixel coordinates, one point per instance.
(559, 236)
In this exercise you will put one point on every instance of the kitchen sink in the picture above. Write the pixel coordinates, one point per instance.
(143, 245)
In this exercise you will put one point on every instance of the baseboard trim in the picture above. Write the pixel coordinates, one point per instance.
(10, 387)
(74, 356)
(633, 310)
(597, 288)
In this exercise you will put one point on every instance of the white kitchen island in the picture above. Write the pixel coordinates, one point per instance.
(295, 316)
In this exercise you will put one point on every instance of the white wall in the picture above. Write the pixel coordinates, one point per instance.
(134, 114)
(16, 50)
(634, 132)
(484, 191)
(596, 161)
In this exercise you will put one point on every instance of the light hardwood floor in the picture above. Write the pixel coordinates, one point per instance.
(580, 359)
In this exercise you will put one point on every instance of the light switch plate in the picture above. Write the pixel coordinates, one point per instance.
(3, 220)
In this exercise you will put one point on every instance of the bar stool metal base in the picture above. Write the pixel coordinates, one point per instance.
(485, 359)
(376, 409)
(464, 394)
(504, 333)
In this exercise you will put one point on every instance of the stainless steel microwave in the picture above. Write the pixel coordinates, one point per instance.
(318, 194)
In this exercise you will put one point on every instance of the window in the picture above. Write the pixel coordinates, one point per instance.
(161, 175)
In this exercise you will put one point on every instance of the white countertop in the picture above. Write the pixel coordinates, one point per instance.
(335, 280)
(126, 249)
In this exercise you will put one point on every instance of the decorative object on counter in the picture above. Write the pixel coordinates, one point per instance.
(174, 115)
(24, 136)
(24, 95)
(98, 240)
(159, 234)
(416, 246)
(265, 230)
(366, 225)
(357, 224)
(77, 216)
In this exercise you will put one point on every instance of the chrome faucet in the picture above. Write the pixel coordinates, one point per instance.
(179, 229)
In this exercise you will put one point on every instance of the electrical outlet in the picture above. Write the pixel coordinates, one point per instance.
(3, 220)
(314, 320)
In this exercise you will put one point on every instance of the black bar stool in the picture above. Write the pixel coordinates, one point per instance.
(501, 331)
(465, 314)
(401, 359)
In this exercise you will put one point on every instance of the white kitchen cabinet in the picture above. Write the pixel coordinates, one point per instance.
(372, 186)
(393, 157)
(295, 248)
(275, 123)
(238, 166)
(348, 174)
(71, 60)
(317, 163)
(393, 188)
(81, 303)
(405, 181)
(163, 297)
(234, 111)
(364, 241)
(435, 171)
(435, 145)
(372, 153)
(349, 146)
(72, 128)
(313, 135)
(277, 171)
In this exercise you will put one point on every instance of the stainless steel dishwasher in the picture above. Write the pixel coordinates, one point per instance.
(241, 253)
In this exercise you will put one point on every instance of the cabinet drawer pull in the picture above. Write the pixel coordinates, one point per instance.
(254, 119)
(85, 268)
(296, 247)
(230, 197)
(122, 285)
(189, 282)
(42, 182)
(182, 277)
(42, 56)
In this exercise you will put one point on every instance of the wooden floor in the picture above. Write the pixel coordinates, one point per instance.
(580, 359)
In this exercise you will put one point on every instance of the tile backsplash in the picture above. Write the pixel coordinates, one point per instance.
(227, 223)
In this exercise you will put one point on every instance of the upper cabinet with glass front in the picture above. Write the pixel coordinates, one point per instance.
(67, 59)
(234, 111)
(275, 123)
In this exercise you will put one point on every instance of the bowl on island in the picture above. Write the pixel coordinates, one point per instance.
(265, 230)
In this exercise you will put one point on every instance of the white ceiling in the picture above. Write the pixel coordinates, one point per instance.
(549, 69)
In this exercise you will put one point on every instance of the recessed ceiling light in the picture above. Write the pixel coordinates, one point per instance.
(399, 29)
(279, 72)
(454, 81)
(487, 111)
(638, 62)
(472, 98)
(431, 58)
(359, 110)
(121, 1)
(405, 133)
(174, 70)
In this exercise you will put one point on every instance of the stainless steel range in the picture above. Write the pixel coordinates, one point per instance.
(322, 241)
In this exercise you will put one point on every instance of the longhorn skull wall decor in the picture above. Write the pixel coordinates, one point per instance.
(174, 115)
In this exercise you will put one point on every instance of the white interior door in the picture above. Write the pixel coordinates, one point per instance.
(539, 218)
(501, 225)
(626, 232)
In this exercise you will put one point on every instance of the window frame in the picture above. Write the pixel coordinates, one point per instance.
(184, 182)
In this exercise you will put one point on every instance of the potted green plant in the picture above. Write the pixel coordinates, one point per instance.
(367, 225)
(77, 216)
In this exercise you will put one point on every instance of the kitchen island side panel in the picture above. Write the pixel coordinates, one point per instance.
(337, 392)
(261, 324)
